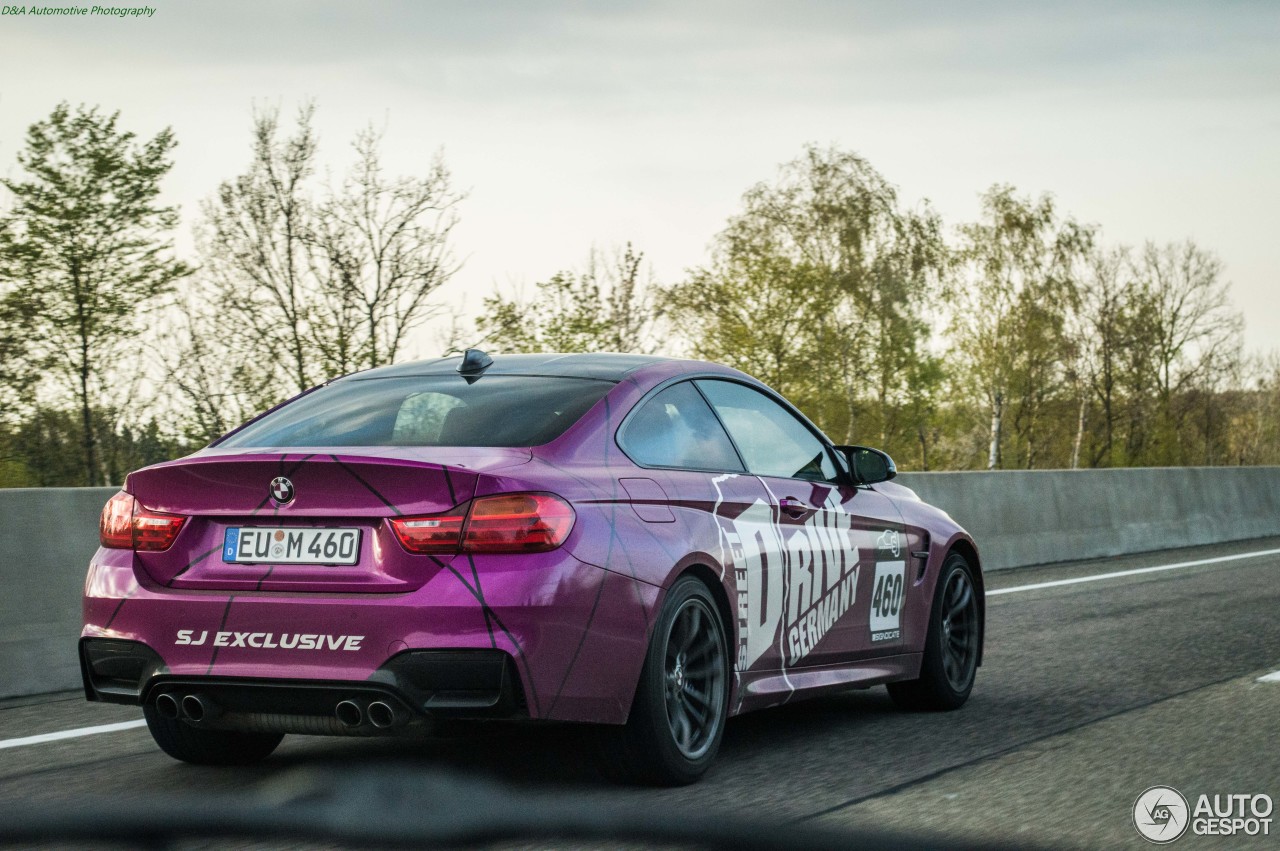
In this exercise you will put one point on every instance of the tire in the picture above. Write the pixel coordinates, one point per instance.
(682, 700)
(952, 646)
(191, 744)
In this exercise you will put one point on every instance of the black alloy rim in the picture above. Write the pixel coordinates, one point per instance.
(694, 665)
(959, 630)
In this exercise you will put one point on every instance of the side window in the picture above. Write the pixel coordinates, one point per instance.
(772, 441)
(676, 429)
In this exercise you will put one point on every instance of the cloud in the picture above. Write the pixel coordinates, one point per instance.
(581, 122)
(678, 52)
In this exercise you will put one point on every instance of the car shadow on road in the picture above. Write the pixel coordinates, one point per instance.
(556, 756)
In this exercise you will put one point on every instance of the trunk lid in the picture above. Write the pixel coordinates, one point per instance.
(345, 488)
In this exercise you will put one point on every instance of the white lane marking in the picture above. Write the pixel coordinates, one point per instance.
(1136, 571)
(1273, 677)
(71, 734)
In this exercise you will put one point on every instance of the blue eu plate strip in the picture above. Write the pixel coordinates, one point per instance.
(230, 544)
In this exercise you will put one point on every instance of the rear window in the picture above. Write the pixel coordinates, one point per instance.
(435, 410)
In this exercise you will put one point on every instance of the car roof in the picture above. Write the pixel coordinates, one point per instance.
(607, 366)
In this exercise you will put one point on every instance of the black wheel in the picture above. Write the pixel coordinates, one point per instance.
(952, 646)
(682, 700)
(181, 741)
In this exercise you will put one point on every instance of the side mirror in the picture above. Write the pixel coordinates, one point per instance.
(868, 465)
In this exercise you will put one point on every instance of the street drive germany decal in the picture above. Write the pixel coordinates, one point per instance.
(795, 582)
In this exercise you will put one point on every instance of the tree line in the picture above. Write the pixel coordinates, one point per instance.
(1019, 340)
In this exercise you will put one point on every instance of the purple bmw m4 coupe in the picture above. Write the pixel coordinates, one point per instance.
(647, 544)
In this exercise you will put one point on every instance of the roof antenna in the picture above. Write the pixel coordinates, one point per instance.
(474, 363)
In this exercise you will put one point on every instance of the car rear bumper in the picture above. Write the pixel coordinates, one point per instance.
(560, 640)
(414, 688)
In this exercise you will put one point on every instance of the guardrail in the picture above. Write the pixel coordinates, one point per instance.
(1018, 518)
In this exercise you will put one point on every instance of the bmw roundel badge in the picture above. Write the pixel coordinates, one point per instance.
(281, 490)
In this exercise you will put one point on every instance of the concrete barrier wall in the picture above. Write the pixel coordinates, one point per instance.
(1027, 517)
(1018, 518)
(47, 536)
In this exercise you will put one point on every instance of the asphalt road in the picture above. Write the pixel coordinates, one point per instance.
(1090, 693)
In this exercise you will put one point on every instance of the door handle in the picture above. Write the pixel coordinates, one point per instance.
(793, 507)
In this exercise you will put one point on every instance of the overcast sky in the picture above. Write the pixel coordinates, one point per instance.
(573, 124)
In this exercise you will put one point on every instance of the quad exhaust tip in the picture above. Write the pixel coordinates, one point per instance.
(378, 713)
(197, 708)
(167, 706)
(349, 713)
(381, 715)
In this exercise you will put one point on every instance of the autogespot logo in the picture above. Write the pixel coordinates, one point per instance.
(1160, 814)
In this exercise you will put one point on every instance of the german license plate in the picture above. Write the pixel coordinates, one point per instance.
(266, 544)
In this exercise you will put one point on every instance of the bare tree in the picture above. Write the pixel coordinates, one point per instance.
(1191, 310)
(215, 382)
(1099, 330)
(254, 247)
(309, 281)
(1194, 331)
(608, 306)
(380, 251)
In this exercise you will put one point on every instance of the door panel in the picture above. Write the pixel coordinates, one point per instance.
(801, 554)
(917, 591)
(885, 618)
(829, 558)
(838, 549)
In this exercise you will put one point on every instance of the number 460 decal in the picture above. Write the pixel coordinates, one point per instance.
(886, 601)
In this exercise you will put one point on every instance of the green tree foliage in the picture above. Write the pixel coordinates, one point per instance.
(1015, 285)
(1252, 434)
(19, 368)
(85, 255)
(607, 307)
(255, 251)
(1051, 349)
(821, 287)
(43, 449)
(1057, 352)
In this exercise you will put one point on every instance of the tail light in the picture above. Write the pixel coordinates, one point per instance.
(508, 523)
(126, 525)
(518, 523)
(115, 529)
(437, 533)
